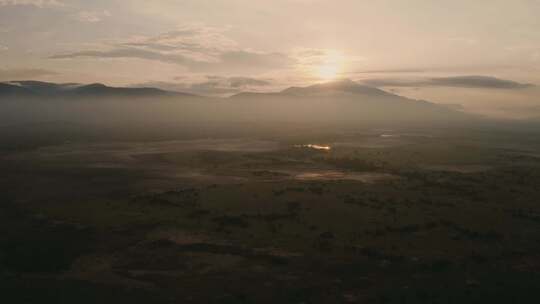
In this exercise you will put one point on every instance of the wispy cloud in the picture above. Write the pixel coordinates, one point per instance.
(36, 3)
(198, 48)
(92, 16)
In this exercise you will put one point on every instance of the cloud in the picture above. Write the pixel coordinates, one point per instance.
(242, 82)
(127, 52)
(455, 69)
(92, 16)
(23, 74)
(198, 48)
(37, 3)
(479, 82)
(212, 85)
(255, 59)
(314, 62)
(392, 71)
(485, 82)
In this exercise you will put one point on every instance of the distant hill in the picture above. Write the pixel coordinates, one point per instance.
(330, 89)
(47, 89)
(339, 87)
(9, 89)
(341, 102)
(345, 100)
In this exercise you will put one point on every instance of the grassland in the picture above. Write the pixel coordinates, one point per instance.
(423, 216)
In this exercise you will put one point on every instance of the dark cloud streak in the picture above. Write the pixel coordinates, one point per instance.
(484, 82)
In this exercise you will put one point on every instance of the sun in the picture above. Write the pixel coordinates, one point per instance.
(330, 67)
(328, 71)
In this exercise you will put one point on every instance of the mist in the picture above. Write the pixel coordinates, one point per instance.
(285, 151)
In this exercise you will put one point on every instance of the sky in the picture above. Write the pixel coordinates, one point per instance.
(482, 55)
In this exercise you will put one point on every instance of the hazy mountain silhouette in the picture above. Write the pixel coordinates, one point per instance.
(341, 102)
(47, 89)
(345, 86)
(8, 89)
(346, 100)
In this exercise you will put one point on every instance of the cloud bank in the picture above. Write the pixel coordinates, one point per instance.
(484, 82)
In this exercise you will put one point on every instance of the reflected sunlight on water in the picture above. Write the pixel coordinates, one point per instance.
(316, 147)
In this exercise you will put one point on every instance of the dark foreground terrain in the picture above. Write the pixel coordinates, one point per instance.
(372, 216)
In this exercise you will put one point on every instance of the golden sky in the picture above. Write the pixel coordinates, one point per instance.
(480, 54)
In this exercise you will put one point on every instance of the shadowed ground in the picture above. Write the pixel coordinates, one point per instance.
(375, 219)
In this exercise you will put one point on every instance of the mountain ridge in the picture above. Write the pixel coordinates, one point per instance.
(331, 88)
(31, 88)
(348, 100)
(342, 100)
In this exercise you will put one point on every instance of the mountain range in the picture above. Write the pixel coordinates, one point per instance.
(346, 100)
(337, 101)
(46, 89)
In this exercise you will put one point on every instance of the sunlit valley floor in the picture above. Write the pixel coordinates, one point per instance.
(373, 216)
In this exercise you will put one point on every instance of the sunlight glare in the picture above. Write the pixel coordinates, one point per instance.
(331, 66)
(328, 71)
